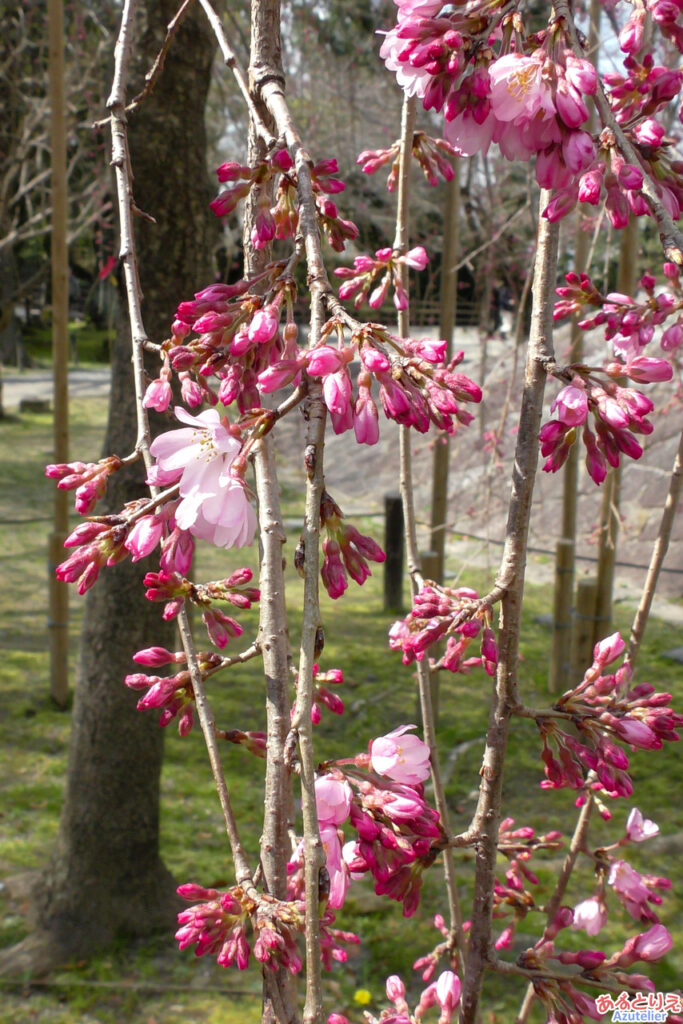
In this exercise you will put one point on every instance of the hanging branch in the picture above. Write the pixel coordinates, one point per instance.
(670, 235)
(120, 158)
(314, 854)
(511, 578)
(401, 243)
(121, 163)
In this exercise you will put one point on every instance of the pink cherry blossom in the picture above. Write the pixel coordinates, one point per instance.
(571, 406)
(638, 828)
(591, 915)
(400, 757)
(214, 504)
(518, 89)
(332, 799)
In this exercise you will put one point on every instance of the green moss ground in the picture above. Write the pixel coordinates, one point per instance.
(128, 983)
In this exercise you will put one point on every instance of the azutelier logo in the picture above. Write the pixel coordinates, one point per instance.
(646, 1006)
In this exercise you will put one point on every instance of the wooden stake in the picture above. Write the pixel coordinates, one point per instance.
(584, 627)
(58, 622)
(393, 546)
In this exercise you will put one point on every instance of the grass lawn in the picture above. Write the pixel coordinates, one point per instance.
(151, 982)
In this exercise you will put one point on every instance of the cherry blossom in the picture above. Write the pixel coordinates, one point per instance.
(200, 456)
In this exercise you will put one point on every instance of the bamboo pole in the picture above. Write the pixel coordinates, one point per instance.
(58, 622)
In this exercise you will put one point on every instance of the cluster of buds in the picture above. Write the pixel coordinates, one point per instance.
(97, 544)
(230, 332)
(416, 387)
(443, 993)
(565, 1003)
(619, 414)
(218, 927)
(322, 695)
(603, 710)
(88, 479)
(629, 324)
(107, 540)
(175, 589)
(345, 550)
(637, 892)
(431, 154)
(528, 92)
(381, 797)
(512, 900)
(387, 264)
(281, 220)
(454, 615)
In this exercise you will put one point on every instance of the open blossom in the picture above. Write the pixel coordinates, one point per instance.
(591, 915)
(402, 758)
(638, 828)
(214, 504)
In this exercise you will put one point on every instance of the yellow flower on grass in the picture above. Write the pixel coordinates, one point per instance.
(362, 997)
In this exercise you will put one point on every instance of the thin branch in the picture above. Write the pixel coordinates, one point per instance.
(121, 162)
(207, 721)
(116, 104)
(465, 261)
(310, 536)
(158, 66)
(659, 551)
(401, 243)
(487, 815)
(231, 61)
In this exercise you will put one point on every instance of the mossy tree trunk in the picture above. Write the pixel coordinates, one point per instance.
(105, 877)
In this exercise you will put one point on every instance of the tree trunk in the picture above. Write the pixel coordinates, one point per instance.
(105, 877)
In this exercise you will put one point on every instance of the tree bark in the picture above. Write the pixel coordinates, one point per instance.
(105, 877)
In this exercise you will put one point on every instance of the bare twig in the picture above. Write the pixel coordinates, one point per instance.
(158, 66)
(401, 243)
(313, 848)
(233, 63)
(116, 104)
(121, 161)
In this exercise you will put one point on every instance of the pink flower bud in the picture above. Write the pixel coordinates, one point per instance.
(416, 258)
(395, 988)
(608, 650)
(646, 369)
(144, 536)
(158, 395)
(157, 656)
(323, 360)
(653, 944)
(448, 990)
(264, 325)
(591, 915)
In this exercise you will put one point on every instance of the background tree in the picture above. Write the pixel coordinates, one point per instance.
(105, 876)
